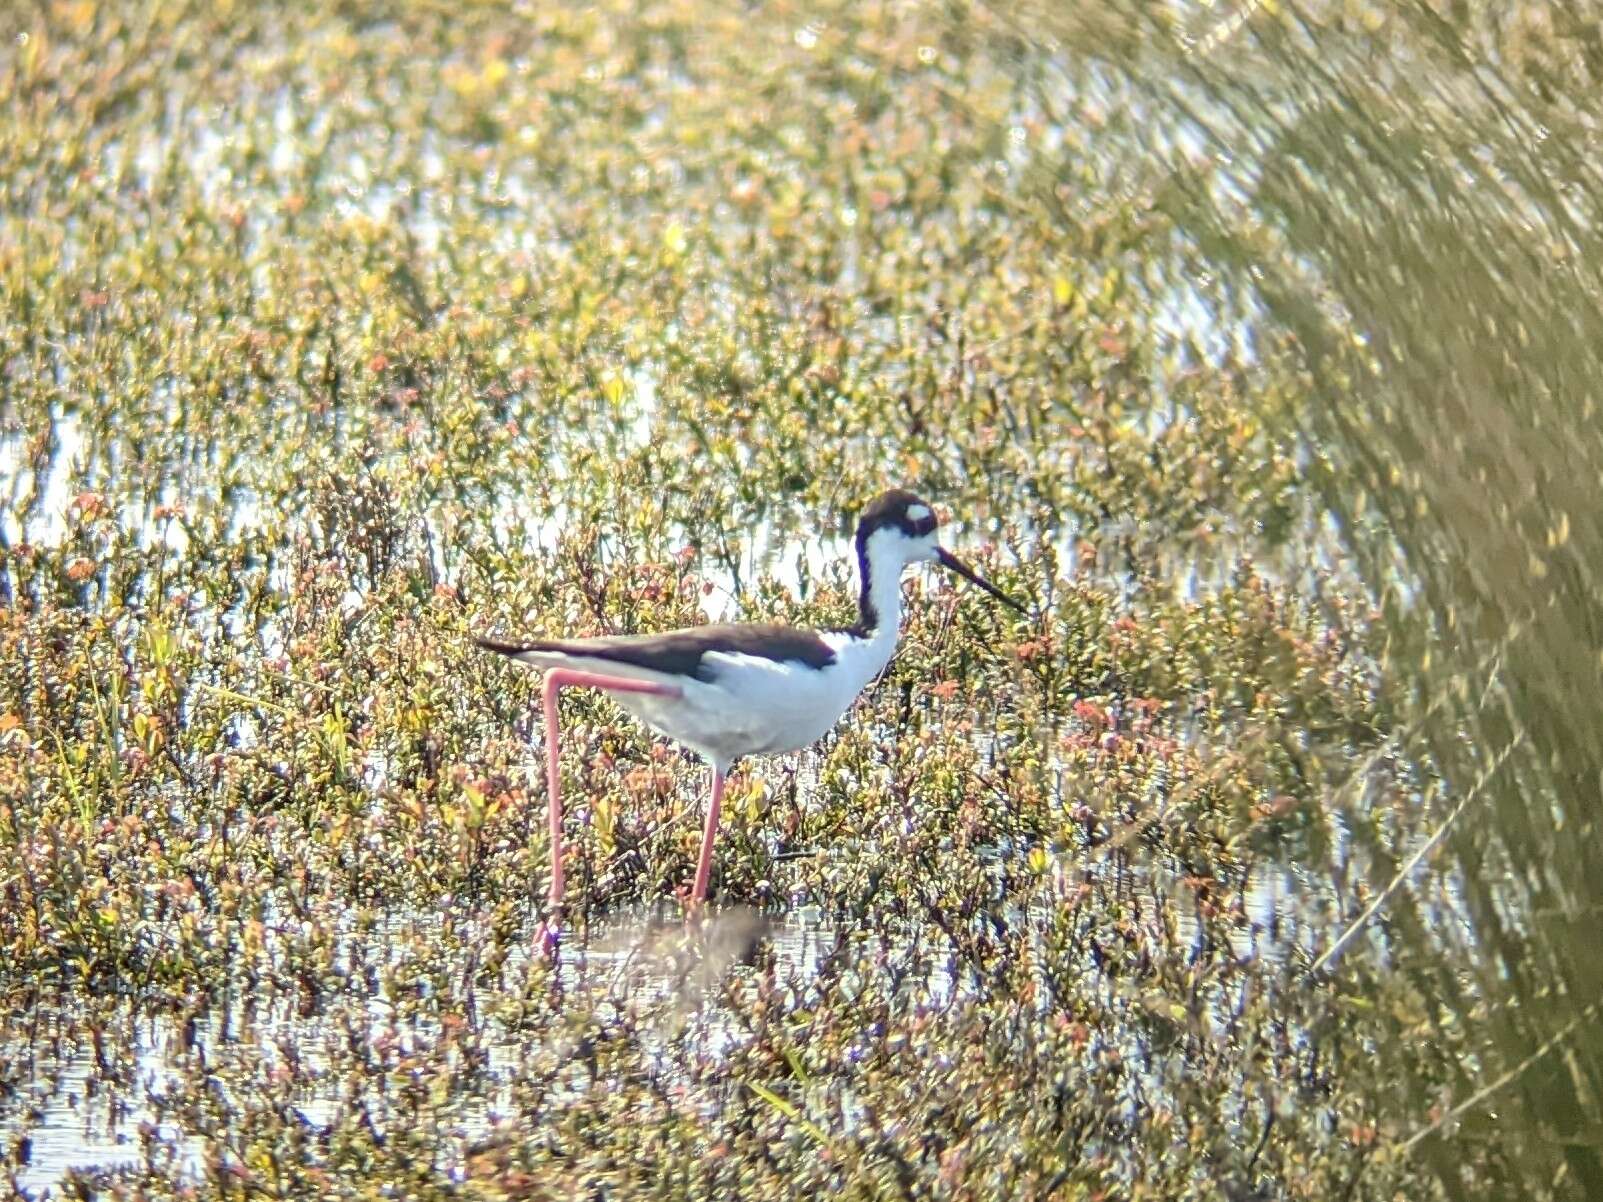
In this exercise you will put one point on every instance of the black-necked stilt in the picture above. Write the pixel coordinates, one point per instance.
(727, 691)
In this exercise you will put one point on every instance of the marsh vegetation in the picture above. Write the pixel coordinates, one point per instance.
(1254, 345)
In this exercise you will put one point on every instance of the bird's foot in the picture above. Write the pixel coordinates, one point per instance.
(550, 936)
(694, 909)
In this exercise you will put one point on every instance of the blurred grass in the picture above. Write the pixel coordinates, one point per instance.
(1412, 194)
(1252, 344)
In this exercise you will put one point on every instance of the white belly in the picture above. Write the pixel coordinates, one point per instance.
(750, 705)
(754, 707)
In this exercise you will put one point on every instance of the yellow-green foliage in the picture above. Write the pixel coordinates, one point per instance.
(331, 336)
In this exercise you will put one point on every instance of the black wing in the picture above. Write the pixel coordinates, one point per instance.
(681, 652)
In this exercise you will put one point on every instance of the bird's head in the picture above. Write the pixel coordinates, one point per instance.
(897, 528)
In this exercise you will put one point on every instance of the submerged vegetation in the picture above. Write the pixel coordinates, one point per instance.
(330, 340)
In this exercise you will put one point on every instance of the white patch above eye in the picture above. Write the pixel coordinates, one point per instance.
(918, 513)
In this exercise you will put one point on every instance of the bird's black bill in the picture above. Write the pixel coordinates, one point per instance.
(948, 560)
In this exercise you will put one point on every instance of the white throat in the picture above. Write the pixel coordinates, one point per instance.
(885, 566)
(863, 651)
(881, 596)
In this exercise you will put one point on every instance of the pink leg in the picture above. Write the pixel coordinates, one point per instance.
(704, 865)
(557, 678)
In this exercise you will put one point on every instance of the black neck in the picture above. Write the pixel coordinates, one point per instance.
(867, 616)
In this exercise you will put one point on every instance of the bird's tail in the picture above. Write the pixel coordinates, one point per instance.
(556, 653)
(542, 653)
(512, 650)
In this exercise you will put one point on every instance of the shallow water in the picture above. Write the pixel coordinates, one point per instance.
(640, 959)
(77, 1118)
(1260, 337)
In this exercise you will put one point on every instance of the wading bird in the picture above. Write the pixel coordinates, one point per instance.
(731, 690)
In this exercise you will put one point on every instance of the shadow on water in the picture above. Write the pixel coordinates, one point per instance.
(126, 1092)
(159, 1095)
